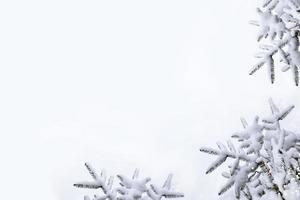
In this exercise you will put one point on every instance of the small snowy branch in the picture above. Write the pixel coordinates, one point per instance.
(165, 191)
(267, 58)
(130, 188)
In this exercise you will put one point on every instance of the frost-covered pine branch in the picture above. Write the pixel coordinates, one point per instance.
(129, 188)
(279, 26)
(265, 159)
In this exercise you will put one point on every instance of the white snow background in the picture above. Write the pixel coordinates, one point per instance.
(125, 84)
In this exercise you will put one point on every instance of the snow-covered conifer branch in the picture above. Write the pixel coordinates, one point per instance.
(265, 158)
(279, 26)
(129, 189)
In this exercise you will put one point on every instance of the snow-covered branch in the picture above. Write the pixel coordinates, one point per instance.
(279, 26)
(130, 188)
(265, 158)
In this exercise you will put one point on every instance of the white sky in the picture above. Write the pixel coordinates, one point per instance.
(125, 84)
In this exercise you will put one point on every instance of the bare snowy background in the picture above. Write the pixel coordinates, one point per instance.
(125, 84)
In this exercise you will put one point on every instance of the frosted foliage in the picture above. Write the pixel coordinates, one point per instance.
(134, 188)
(265, 159)
(279, 25)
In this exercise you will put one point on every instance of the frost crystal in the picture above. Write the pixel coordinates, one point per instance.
(130, 188)
(279, 26)
(266, 159)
